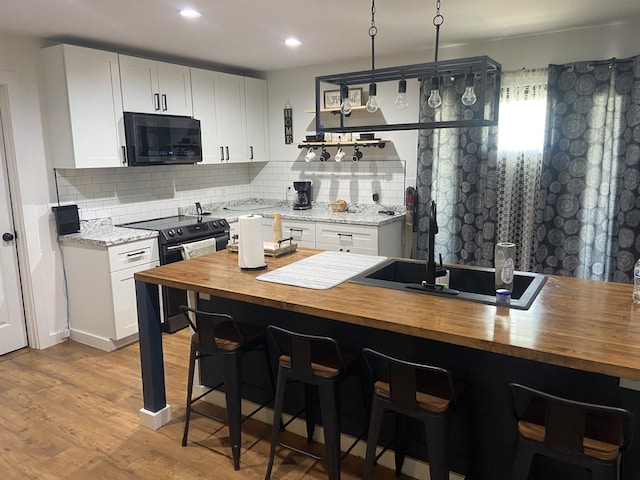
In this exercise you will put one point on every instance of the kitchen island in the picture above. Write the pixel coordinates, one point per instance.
(580, 336)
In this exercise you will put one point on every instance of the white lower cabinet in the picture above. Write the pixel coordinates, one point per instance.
(385, 240)
(101, 290)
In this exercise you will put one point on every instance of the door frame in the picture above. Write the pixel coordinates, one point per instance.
(8, 87)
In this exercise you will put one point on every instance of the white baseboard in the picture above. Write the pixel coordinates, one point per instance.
(414, 468)
(106, 344)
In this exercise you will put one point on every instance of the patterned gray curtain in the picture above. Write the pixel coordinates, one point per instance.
(457, 169)
(589, 207)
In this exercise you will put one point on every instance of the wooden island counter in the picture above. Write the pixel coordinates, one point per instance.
(577, 331)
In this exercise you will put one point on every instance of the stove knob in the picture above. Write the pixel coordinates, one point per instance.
(215, 224)
(171, 232)
(179, 231)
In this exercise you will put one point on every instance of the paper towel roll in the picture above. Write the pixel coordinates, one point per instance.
(250, 246)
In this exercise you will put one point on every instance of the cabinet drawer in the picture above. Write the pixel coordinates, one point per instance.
(303, 233)
(347, 236)
(132, 254)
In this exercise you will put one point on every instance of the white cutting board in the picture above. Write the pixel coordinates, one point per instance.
(323, 270)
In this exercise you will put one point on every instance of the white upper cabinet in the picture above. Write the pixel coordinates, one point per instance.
(149, 86)
(233, 113)
(255, 93)
(232, 118)
(83, 107)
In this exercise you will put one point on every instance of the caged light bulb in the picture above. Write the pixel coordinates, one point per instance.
(435, 100)
(401, 100)
(372, 102)
(469, 96)
(345, 104)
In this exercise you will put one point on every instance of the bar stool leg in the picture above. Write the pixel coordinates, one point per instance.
(522, 462)
(277, 414)
(401, 443)
(233, 398)
(192, 365)
(310, 400)
(329, 404)
(377, 410)
(436, 433)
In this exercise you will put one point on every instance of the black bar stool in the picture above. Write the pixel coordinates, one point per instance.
(582, 434)
(217, 334)
(316, 361)
(409, 389)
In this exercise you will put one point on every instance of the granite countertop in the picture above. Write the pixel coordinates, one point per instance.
(103, 233)
(320, 212)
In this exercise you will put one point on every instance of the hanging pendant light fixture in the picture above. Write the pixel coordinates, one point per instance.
(477, 104)
(372, 102)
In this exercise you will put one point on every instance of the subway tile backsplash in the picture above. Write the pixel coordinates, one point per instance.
(138, 193)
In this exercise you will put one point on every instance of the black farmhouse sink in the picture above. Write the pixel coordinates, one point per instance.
(465, 283)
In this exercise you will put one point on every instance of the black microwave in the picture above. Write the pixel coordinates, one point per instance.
(162, 139)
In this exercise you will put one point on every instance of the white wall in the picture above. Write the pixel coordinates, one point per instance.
(44, 299)
(36, 189)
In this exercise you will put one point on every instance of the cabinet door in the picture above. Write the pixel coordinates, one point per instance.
(174, 87)
(255, 92)
(124, 300)
(230, 104)
(139, 80)
(203, 87)
(83, 107)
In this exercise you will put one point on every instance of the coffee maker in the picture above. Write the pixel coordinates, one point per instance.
(302, 200)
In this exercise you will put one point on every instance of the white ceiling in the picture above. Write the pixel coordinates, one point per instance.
(249, 34)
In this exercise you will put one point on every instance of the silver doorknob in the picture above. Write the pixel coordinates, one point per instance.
(7, 237)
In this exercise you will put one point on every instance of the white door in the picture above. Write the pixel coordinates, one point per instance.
(13, 334)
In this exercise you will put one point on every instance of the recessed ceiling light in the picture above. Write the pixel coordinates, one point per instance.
(292, 42)
(190, 13)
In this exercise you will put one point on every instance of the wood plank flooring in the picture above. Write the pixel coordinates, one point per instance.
(71, 412)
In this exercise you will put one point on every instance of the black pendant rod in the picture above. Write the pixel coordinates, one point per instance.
(438, 20)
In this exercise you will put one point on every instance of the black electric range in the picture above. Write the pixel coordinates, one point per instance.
(173, 232)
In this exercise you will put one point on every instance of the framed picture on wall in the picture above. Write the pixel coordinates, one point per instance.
(355, 97)
(332, 98)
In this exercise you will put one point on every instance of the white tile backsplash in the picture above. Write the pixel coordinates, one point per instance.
(138, 193)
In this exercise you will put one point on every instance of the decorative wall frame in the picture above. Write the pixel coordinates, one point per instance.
(332, 98)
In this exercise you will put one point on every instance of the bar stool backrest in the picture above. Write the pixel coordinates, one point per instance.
(406, 379)
(216, 331)
(307, 355)
(567, 422)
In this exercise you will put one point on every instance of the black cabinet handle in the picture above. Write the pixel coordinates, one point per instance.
(124, 155)
(135, 254)
(222, 154)
(251, 152)
(345, 235)
(164, 102)
(227, 150)
(156, 101)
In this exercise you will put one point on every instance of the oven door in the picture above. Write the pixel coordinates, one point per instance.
(172, 298)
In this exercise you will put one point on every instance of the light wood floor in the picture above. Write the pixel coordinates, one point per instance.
(71, 412)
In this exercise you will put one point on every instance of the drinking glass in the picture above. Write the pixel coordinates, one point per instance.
(505, 259)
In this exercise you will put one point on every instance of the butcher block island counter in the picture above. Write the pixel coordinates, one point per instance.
(580, 336)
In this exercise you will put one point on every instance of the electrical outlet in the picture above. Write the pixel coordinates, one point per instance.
(376, 197)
